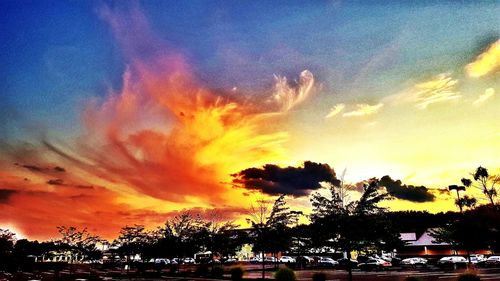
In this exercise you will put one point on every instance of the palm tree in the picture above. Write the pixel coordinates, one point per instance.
(458, 188)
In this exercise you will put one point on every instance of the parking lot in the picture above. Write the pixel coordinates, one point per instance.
(252, 273)
(340, 275)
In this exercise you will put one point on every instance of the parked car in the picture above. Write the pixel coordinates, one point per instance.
(362, 259)
(162, 261)
(230, 260)
(343, 263)
(452, 261)
(374, 264)
(255, 260)
(304, 260)
(327, 262)
(287, 259)
(414, 262)
(270, 259)
(477, 258)
(395, 261)
(492, 261)
(214, 261)
(189, 261)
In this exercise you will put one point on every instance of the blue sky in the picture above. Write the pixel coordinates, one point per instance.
(56, 53)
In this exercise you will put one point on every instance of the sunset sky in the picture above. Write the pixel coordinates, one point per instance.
(115, 113)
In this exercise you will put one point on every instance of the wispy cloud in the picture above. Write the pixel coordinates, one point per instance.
(336, 109)
(487, 62)
(363, 110)
(441, 88)
(287, 96)
(488, 93)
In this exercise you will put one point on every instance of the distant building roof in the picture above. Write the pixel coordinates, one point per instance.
(408, 236)
(425, 240)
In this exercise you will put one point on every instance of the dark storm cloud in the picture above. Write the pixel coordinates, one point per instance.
(55, 182)
(33, 168)
(59, 169)
(5, 195)
(40, 169)
(297, 181)
(406, 192)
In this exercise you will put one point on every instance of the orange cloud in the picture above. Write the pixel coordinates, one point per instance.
(161, 137)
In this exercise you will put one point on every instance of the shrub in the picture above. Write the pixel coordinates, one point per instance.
(202, 270)
(237, 273)
(413, 278)
(319, 276)
(468, 276)
(173, 269)
(285, 274)
(217, 271)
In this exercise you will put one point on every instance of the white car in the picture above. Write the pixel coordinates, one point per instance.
(374, 264)
(452, 261)
(189, 261)
(270, 259)
(255, 259)
(492, 261)
(287, 259)
(162, 261)
(414, 262)
(230, 260)
(327, 262)
(477, 258)
(309, 259)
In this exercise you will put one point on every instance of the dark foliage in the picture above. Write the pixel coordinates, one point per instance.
(319, 276)
(285, 274)
(237, 273)
(217, 271)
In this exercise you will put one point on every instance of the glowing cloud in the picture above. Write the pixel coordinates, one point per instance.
(288, 97)
(439, 89)
(487, 62)
(161, 138)
(165, 136)
(488, 93)
(363, 110)
(335, 110)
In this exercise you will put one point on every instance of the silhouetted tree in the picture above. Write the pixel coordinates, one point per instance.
(7, 239)
(485, 182)
(221, 239)
(466, 201)
(182, 234)
(80, 244)
(345, 224)
(131, 241)
(270, 224)
(469, 233)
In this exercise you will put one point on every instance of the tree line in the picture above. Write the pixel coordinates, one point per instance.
(338, 221)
